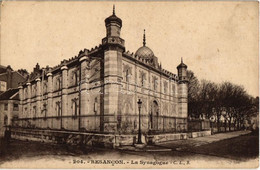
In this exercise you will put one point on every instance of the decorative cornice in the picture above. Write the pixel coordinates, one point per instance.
(109, 42)
(38, 79)
(49, 74)
(64, 68)
(144, 62)
(82, 58)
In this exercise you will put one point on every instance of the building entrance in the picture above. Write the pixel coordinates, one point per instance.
(154, 116)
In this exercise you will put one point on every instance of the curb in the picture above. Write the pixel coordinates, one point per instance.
(146, 150)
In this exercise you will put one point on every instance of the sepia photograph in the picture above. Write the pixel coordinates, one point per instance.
(129, 84)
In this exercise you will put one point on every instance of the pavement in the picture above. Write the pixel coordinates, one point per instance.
(184, 145)
(238, 152)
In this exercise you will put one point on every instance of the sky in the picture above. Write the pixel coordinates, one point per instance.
(217, 40)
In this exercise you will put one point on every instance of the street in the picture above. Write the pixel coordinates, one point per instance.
(234, 149)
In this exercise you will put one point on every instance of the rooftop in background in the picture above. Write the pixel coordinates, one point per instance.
(10, 79)
(10, 94)
(4, 69)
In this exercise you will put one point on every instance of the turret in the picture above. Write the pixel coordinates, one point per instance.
(113, 29)
(182, 91)
(113, 46)
(113, 25)
(182, 71)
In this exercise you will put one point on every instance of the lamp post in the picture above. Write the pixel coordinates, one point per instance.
(139, 130)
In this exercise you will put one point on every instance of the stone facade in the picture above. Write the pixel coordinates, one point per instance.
(10, 78)
(97, 92)
(9, 108)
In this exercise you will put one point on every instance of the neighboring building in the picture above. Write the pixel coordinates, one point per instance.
(254, 122)
(9, 108)
(97, 92)
(10, 78)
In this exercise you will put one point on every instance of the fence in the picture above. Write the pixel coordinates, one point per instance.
(222, 127)
(125, 124)
(198, 125)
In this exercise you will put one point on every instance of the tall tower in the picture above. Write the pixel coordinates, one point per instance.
(113, 47)
(182, 91)
(113, 25)
(182, 71)
(113, 28)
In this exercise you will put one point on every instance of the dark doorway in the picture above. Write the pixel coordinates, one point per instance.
(155, 116)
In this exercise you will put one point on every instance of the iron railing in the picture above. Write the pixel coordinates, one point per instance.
(92, 123)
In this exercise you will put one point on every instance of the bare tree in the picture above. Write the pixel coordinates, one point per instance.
(226, 100)
(207, 97)
(193, 89)
(232, 99)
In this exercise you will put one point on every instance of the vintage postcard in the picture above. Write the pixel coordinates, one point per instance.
(136, 84)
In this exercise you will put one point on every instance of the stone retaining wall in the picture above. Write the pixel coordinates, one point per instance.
(95, 139)
(199, 134)
(152, 139)
(74, 138)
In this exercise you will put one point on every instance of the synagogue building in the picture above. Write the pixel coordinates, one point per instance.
(96, 92)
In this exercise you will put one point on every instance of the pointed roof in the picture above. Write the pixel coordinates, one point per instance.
(10, 94)
(182, 64)
(144, 43)
(144, 51)
(113, 18)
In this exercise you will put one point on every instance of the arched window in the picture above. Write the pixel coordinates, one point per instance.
(74, 107)
(58, 83)
(45, 87)
(34, 111)
(33, 90)
(155, 83)
(173, 89)
(127, 75)
(75, 78)
(44, 109)
(142, 79)
(165, 87)
(127, 78)
(127, 71)
(25, 113)
(25, 93)
(58, 109)
(154, 119)
(5, 120)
